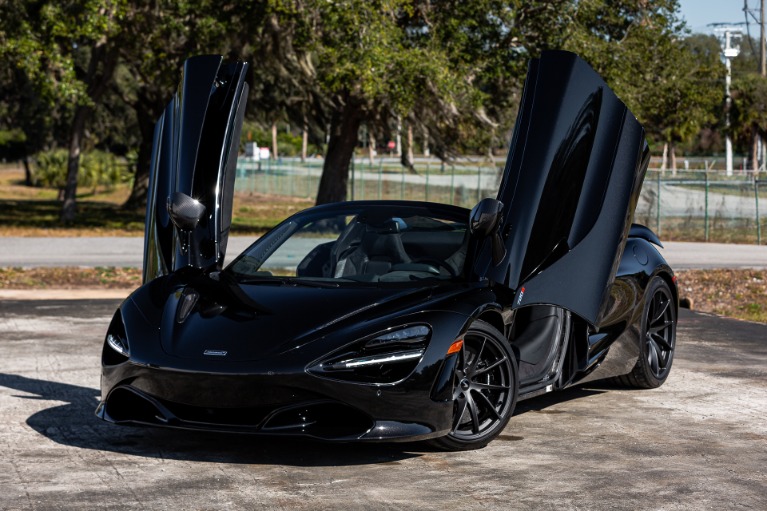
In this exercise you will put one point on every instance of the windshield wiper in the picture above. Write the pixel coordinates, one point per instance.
(290, 281)
(313, 283)
(263, 279)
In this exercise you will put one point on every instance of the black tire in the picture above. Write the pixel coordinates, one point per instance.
(485, 394)
(657, 339)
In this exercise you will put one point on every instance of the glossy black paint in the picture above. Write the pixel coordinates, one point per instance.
(209, 349)
(194, 156)
(571, 182)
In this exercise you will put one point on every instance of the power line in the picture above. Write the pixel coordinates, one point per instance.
(746, 12)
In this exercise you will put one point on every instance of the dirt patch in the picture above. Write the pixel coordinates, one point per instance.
(70, 278)
(740, 294)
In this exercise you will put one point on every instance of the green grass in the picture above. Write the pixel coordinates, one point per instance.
(32, 211)
(44, 214)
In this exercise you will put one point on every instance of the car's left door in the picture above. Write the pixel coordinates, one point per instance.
(193, 167)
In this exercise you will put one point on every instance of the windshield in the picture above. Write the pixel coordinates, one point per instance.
(384, 242)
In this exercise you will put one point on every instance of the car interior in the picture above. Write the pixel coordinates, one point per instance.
(389, 249)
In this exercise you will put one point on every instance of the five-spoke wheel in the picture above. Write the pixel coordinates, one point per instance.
(484, 389)
(658, 337)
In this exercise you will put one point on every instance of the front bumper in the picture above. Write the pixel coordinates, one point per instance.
(296, 404)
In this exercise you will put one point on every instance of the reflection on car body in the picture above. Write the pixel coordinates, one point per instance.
(393, 320)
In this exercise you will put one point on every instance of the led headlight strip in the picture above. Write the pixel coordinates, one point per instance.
(386, 358)
(118, 345)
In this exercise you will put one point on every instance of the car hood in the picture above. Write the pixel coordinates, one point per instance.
(258, 321)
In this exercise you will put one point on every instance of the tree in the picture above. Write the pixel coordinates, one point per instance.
(69, 50)
(26, 122)
(749, 91)
(749, 94)
(436, 65)
(171, 32)
(639, 47)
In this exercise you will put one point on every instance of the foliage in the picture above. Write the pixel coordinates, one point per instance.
(96, 74)
(288, 143)
(12, 144)
(97, 168)
(749, 93)
(640, 49)
(749, 100)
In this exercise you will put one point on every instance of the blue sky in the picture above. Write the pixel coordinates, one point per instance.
(699, 13)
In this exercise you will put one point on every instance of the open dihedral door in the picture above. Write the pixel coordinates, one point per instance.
(569, 189)
(193, 167)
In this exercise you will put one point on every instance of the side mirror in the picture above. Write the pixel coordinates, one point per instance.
(485, 221)
(185, 212)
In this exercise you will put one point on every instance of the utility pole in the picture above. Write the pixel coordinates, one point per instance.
(763, 72)
(762, 53)
(729, 52)
(758, 146)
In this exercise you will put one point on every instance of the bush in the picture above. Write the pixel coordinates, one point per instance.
(97, 168)
(50, 169)
(12, 144)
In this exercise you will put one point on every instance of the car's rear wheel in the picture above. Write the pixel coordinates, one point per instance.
(485, 389)
(658, 339)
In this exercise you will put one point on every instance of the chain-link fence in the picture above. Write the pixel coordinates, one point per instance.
(462, 184)
(689, 205)
(704, 206)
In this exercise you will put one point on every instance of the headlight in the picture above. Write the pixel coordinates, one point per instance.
(118, 344)
(116, 349)
(386, 357)
(409, 335)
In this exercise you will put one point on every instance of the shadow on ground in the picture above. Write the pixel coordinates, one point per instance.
(74, 424)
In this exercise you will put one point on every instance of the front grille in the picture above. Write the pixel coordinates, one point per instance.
(321, 419)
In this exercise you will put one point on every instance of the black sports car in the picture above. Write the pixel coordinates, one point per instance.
(392, 320)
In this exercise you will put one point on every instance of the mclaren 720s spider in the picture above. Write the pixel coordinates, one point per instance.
(393, 320)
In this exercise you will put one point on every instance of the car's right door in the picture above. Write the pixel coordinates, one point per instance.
(569, 189)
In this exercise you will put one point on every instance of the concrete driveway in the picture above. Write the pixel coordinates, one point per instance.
(698, 442)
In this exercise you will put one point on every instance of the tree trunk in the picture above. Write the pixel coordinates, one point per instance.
(138, 194)
(410, 157)
(100, 72)
(146, 124)
(344, 129)
(304, 140)
(426, 142)
(27, 170)
(672, 151)
(69, 209)
(406, 159)
(398, 145)
(755, 151)
(274, 140)
(371, 146)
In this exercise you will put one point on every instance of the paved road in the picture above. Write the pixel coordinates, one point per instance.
(127, 252)
(698, 442)
(86, 252)
(682, 255)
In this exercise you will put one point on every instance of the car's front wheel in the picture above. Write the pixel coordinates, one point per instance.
(485, 389)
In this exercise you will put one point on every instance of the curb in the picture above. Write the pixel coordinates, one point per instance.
(64, 294)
